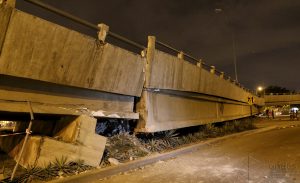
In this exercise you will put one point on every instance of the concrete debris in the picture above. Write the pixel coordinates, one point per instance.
(114, 161)
(111, 127)
(124, 147)
(75, 137)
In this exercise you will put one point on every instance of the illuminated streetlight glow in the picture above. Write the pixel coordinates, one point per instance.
(259, 88)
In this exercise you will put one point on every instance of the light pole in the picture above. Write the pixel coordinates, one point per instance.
(219, 10)
(260, 91)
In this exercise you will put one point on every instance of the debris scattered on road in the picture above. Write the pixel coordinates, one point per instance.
(113, 161)
(125, 147)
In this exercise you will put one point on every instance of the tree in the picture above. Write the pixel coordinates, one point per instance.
(276, 89)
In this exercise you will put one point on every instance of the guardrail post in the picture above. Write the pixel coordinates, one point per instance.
(11, 3)
(222, 75)
(103, 32)
(143, 53)
(212, 69)
(180, 55)
(199, 64)
(149, 58)
(229, 79)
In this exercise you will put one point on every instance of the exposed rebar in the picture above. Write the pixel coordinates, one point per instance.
(28, 132)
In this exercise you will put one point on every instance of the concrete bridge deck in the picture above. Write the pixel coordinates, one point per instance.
(282, 99)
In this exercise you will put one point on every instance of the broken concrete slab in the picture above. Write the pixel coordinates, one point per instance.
(51, 149)
(40, 151)
(78, 130)
(75, 138)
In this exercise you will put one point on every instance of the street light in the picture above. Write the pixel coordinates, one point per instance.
(220, 10)
(260, 90)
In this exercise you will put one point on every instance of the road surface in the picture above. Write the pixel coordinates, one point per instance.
(272, 156)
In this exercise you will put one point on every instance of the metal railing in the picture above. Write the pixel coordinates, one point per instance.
(83, 22)
(206, 66)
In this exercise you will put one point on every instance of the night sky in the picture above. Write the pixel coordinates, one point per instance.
(267, 32)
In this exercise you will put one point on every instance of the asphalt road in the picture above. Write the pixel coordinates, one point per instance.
(272, 156)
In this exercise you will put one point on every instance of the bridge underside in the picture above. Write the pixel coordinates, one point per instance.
(52, 99)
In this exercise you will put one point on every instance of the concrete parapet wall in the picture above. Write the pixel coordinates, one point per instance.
(180, 94)
(37, 49)
(282, 99)
(5, 13)
(169, 72)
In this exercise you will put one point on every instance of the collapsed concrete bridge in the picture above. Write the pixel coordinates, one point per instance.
(63, 72)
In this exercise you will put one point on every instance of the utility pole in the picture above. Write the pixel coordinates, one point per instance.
(234, 54)
(233, 41)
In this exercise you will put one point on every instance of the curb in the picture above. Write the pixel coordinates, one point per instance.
(97, 174)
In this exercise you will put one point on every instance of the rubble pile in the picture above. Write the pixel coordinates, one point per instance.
(125, 146)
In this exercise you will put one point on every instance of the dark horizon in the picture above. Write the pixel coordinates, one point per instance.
(266, 32)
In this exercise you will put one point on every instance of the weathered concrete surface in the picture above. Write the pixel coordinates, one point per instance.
(74, 138)
(5, 13)
(12, 146)
(273, 157)
(164, 111)
(40, 151)
(87, 102)
(40, 50)
(282, 99)
(194, 95)
(37, 49)
(52, 149)
(51, 53)
(170, 72)
(79, 130)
